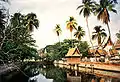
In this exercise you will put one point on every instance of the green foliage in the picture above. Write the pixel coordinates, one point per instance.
(79, 33)
(18, 43)
(86, 8)
(59, 75)
(98, 34)
(56, 51)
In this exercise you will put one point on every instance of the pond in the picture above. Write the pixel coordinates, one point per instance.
(50, 73)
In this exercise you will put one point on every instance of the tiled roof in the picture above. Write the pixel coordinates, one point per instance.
(72, 51)
(101, 52)
(97, 52)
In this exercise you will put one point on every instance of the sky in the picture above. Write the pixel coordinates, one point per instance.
(52, 12)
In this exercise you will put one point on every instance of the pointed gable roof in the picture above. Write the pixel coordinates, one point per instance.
(72, 52)
(97, 52)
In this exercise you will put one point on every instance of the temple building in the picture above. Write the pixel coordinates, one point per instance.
(97, 52)
(73, 55)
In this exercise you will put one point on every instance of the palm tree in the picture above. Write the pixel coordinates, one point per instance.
(31, 21)
(79, 33)
(71, 24)
(87, 8)
(99, 34)
(103, 11)
(58, 31)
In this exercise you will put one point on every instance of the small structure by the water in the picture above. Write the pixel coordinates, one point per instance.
(73, 55)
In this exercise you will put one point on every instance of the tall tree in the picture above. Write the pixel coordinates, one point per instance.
(99, 33)
(3, 21)
(118, 35)
(103, 9)
(18, 43)
(71, 24)
(31, 21)
(2, 25)
(87, 8)
(79, 33)
(58, 31)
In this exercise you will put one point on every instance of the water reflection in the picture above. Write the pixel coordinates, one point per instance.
(64, 75)
(39, 78)
(50, 73)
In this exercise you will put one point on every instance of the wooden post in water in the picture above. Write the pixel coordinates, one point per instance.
(85, 67)
(75, 73)
(75, 67)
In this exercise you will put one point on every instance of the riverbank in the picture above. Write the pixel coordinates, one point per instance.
(90, 65)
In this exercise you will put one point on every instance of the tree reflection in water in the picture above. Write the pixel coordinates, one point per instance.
(51, 73)
(64, 75)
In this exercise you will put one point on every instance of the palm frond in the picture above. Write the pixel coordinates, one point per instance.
(80, 6)
(94, 37)
(113, 10)
(81, 11)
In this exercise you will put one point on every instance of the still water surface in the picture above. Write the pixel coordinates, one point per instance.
(50, 73)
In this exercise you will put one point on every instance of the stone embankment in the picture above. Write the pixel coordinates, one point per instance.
(94, 65)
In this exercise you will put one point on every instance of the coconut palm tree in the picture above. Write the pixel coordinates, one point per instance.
(103, 9)
(31, 21)
(79, 33)
(71, 24)
(87, 8)
(58, 31)
(98, 34)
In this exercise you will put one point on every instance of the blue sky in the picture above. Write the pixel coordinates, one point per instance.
(52, 12)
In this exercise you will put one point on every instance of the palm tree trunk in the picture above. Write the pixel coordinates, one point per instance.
(59, 39)
(109, 30)
(71, 35)
(103, 40)
(99, 40)
(90, 36)
(110, 34)
(89, 31)
(71, 39)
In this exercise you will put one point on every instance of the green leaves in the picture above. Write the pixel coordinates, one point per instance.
(57, 52)
(87, 7)
(19, 44)
(79, 33)
(31, 21)
(99, 34)
(58, 29)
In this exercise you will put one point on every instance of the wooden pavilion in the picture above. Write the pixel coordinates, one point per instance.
(73, 55)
